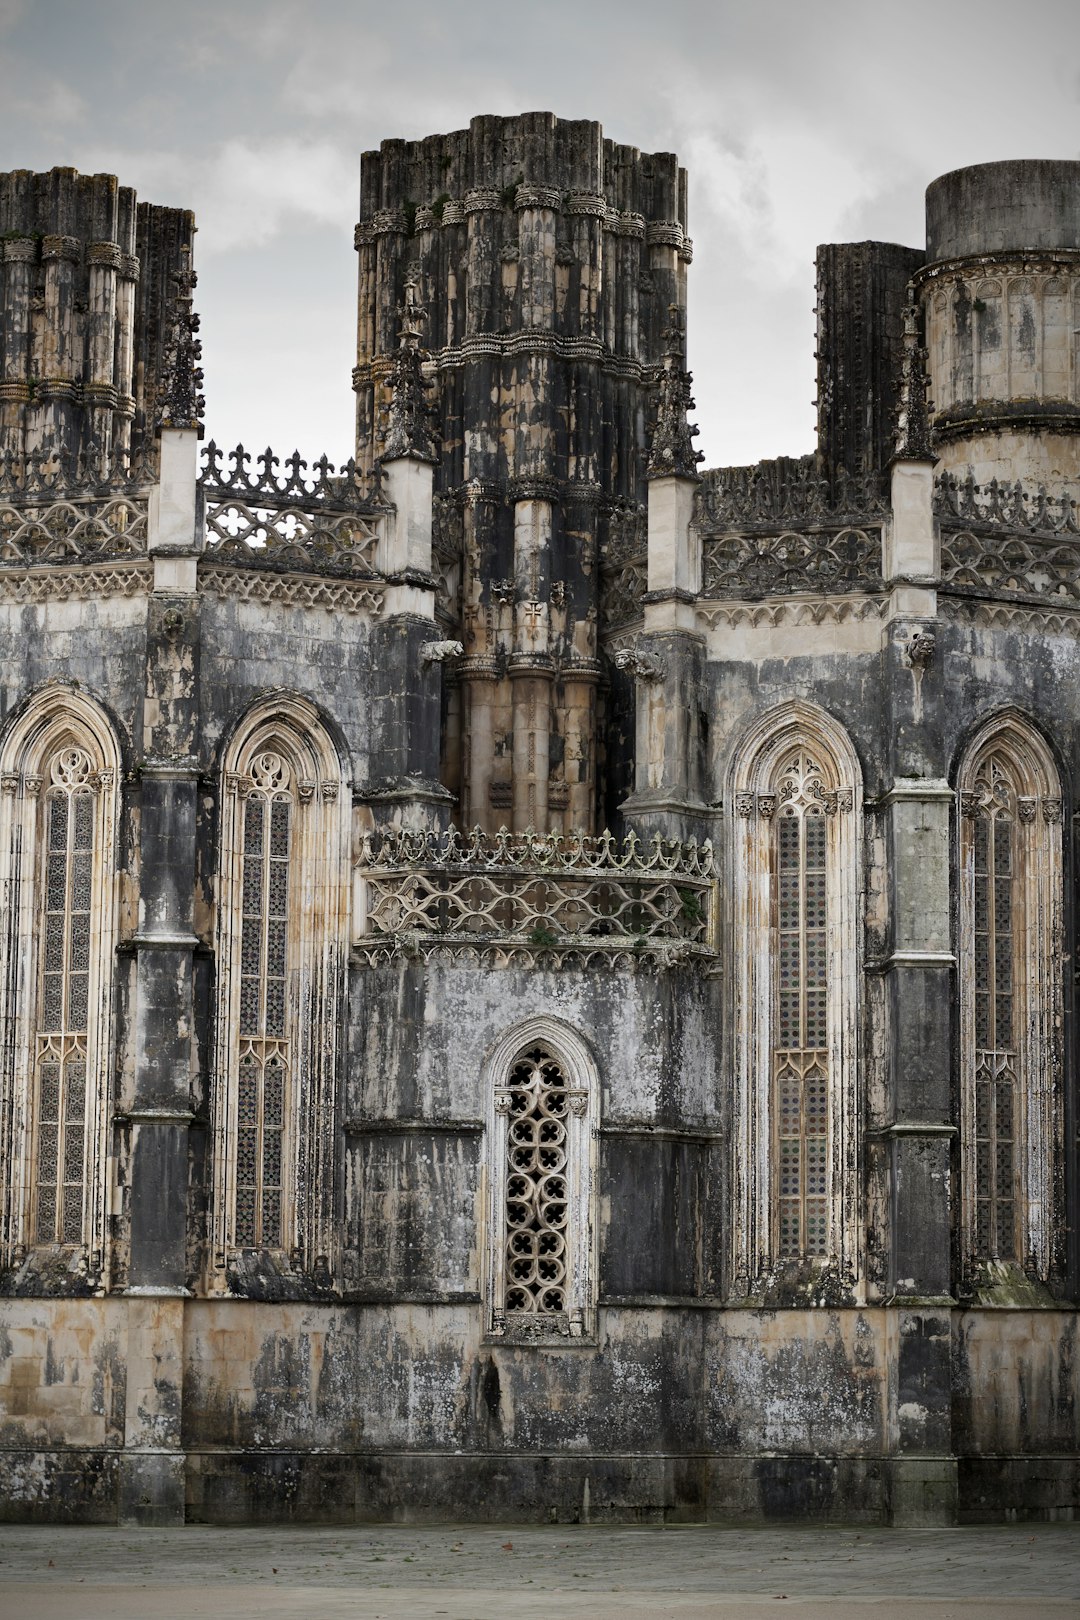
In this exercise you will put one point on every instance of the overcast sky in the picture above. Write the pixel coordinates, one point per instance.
(800, 121)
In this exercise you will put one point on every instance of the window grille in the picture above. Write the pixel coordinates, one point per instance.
(282, 941)
(795, 849)
(263, 1056)
(540, 1262)
(59, 769)
(64, 965)
(800, 1055)
(1009, 971)
(995, 1054)
(536, 1206)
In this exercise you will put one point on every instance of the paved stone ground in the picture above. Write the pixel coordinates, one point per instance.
(471, 1573)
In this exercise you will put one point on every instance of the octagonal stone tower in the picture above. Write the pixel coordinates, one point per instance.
(87, 297)
(542, 262)
(1001, 293)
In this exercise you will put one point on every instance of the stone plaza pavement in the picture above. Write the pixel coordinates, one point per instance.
(487, 1573)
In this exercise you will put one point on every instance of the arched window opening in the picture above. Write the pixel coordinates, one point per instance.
(282, 934)
(1010, 995)
(59, 766)
(541, 1264)
(795, 862)
(801, 1053)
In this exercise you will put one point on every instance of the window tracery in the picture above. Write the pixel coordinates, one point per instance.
(795, 889)
(58, 770)
(281, 939)
(541, 1224)
(1010, 855)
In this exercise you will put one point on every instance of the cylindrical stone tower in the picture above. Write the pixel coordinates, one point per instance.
(86, 297)
(546, 258)
(1001, 292)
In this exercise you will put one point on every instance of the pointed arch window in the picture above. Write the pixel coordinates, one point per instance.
(282, 936)
(795, 860)
(58, 774)
(1010, 999)
(540, 1263)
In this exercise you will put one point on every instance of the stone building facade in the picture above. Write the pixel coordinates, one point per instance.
(536, 981)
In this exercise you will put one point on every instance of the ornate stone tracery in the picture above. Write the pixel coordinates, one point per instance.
(795, 792)
(58, 825)
(540, 1249)
(1010, 999)
(282, 930)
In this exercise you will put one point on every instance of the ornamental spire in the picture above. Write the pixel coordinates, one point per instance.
(913, 417)
(672, 453)
(407, 431)
(181, 405)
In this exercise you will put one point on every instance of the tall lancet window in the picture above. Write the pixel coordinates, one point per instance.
(801, 973)
(795, 889)
(540, 1264)
(64, 999)
(282, 931)
(263, 1059)
(59, 767)
(1010, 998)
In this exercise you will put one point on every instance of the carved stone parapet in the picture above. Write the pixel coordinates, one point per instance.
(105, 254)
(482, 199)
(21, 250)
(530, 196)
(644, 666)
(67, 248)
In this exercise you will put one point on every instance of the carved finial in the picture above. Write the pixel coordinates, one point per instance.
(913, 417)
(672, 453)
(181, 405)
(407, 431)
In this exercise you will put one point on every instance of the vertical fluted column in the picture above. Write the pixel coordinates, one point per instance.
(20, 257)
(100, 392)
(127, 276)
(531, 664)
(479, 671)
(56, 389)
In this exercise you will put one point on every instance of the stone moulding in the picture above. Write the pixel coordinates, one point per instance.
(527, 899)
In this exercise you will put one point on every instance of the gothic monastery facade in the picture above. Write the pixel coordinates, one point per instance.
(536, 979)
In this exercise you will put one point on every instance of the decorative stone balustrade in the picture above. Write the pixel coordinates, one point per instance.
(1003, 540)
(524, 897)
(325, 524)
(72, 509)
